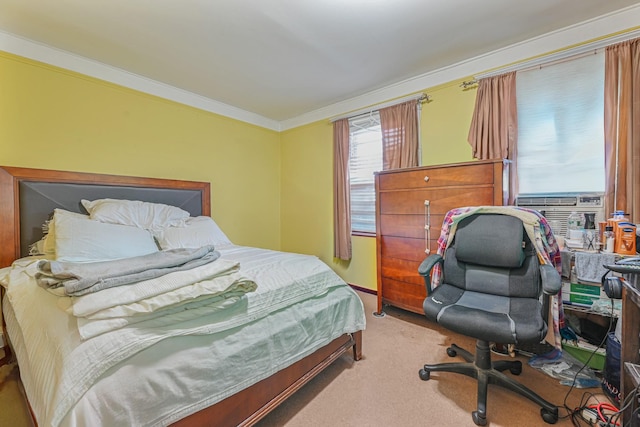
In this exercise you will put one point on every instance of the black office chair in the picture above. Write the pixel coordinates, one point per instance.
(493, 289)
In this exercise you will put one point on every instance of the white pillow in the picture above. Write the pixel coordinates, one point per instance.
(86, 240)
(197, 232)
(47, 245)
(50, 238)
(150, 216)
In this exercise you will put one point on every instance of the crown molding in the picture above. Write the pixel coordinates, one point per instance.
(59, 58)
(624, 20)
(621, 21)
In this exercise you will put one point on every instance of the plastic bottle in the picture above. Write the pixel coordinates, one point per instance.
(618, 215)
(575, 221)
(609, 239)
(615, 221)
(575, 226)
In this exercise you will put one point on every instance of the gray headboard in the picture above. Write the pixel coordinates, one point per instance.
(29, 196)
(39, 199)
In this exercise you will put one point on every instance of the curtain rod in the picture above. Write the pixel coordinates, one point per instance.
(558, 56)
(422, 97)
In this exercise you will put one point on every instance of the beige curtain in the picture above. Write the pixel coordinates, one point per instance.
(341, 194)
(494, 125)
(399, 125)
(622, 128)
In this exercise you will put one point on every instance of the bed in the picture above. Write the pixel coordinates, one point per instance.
(225, 366)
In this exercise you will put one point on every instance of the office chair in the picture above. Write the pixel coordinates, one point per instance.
(492, 289)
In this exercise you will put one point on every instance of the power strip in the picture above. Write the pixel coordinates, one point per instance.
(590, 416)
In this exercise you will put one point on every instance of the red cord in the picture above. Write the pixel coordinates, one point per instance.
(600, 407)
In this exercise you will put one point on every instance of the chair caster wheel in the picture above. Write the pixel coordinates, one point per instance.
(516, 370)
(549, 417)
(451, 352)
(424, 374)
(478, 420)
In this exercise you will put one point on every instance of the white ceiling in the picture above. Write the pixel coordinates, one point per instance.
(283, 59)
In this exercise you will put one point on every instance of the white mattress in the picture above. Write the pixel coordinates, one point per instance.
(177, 373)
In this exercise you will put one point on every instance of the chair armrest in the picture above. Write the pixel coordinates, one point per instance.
(551, 282)
(428, 263)
(426, 266)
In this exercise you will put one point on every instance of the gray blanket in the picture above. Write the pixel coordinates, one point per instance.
(84, 278)
(590, 266)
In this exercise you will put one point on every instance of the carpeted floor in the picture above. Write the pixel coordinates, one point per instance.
(383, 389)
(13, 409)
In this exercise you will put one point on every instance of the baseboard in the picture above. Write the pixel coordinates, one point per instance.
(361, 289)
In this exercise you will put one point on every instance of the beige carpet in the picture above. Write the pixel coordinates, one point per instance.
(13, 409)
(383, 389)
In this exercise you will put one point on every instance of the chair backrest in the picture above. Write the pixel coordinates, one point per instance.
(492, 254)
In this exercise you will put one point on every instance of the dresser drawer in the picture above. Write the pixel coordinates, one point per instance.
(403, 248)
(482, 173)
(402, 270)
(408, 296)
(399, 225)
(441, 200)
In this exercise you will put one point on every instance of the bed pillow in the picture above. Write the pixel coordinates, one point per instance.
(197, 232)
(150, 216)
(86, 240)
(50, 237)
(47, 245)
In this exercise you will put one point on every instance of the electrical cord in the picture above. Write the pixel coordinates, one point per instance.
(600, 410)
(576, 414)
(629, 401)
(612, 419)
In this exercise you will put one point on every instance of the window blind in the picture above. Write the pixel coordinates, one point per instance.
(365, 158)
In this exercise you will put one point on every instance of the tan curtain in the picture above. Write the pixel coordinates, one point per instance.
(341, 194)
(622, 128)
(399, 126)
(494, 125)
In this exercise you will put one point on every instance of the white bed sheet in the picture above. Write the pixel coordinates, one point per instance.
(179, 375)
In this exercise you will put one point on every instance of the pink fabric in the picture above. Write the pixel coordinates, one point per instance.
(622, 128)
(399, 125)
(341, 193)
(493, 133)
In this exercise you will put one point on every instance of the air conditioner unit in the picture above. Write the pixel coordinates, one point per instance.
(557, 208)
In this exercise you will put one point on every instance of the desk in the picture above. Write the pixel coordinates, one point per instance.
(630, 343)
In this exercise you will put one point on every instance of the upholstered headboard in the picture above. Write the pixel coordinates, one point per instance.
(28, 197)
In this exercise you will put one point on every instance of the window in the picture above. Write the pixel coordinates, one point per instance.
(561, 127)
(365, 158)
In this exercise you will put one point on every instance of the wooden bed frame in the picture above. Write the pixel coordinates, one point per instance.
(244, 408)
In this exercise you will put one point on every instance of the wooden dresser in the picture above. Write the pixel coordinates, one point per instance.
(410, 207)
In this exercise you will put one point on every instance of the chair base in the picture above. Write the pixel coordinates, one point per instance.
(487, 372)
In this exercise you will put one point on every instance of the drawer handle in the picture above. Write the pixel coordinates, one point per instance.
(427, 225)
(426, 179)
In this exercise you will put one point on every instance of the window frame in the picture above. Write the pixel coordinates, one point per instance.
(566, 107)
(365, 123)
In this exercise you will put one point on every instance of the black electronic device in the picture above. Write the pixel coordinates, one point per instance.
(625, 266)
(612, 286)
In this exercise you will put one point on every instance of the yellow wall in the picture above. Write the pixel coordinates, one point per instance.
(307, 178)
(269, 189)
(57, 119)
(445, 124)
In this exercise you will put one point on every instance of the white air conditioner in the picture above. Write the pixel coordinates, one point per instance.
(557, 208)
